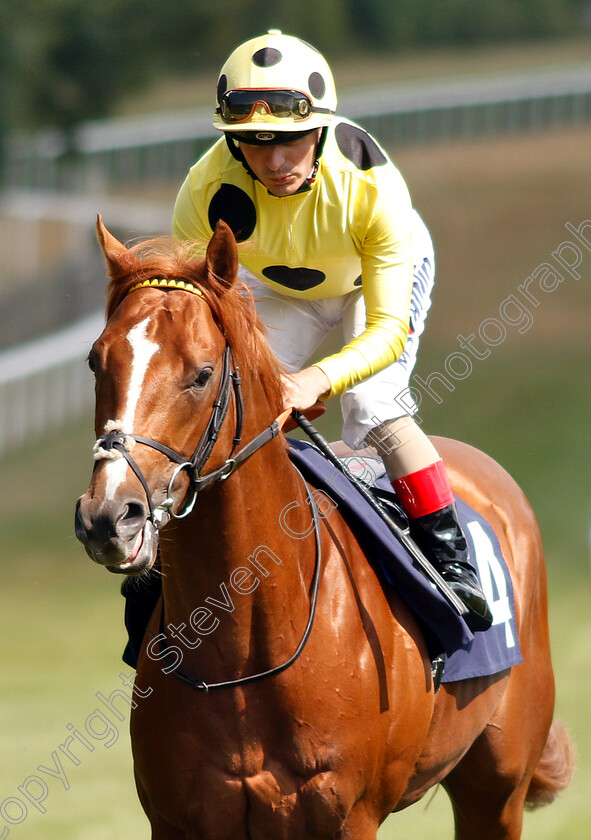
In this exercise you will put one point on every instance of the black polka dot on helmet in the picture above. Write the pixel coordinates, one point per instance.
(266, 57)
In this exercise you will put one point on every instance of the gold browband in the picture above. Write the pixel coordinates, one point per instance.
(164, 283)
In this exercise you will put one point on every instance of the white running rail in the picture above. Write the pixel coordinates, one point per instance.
(46, 383)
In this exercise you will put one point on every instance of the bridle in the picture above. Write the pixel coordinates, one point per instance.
(118, 441)
(229, 382)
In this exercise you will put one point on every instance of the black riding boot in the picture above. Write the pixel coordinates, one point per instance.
(441, 539)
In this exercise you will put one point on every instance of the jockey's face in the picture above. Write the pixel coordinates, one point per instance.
(283, 167)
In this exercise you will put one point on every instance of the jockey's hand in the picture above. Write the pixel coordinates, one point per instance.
(302, 390)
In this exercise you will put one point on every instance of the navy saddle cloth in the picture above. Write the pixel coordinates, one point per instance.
(467, 654)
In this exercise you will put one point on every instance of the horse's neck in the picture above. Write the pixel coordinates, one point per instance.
(240, 558)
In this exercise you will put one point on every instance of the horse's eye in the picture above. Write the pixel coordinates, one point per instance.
(204, 377)
(91, 363)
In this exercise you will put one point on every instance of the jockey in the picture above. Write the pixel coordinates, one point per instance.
(327, 235)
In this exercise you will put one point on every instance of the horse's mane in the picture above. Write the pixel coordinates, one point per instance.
(232, 305)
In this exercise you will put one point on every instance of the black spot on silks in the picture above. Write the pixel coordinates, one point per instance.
(236, 208)
(358, 147)
(299, 279)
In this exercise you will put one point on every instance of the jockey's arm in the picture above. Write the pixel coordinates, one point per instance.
(382, 223)
(387, 302)
(387, 272)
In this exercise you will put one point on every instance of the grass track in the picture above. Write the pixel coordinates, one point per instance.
(497, 210)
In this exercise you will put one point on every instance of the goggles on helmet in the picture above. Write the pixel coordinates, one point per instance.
(239, 105)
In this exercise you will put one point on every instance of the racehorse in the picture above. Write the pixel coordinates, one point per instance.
(283, 690)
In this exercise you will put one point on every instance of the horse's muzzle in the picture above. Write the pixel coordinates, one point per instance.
(118, 535)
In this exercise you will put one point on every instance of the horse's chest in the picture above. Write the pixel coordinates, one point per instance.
(280, 805)
(219, 805)
(237, 780)
(286, 788)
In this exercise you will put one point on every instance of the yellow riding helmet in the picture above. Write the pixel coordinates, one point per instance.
(274, 83)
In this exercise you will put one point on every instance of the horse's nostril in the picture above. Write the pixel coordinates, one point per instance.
(130, 519)
(133, 511)
(80, 526)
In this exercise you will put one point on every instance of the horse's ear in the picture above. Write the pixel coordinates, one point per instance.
(222, 255)
(119, 259)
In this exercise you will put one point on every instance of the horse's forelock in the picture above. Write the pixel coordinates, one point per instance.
(162, 257)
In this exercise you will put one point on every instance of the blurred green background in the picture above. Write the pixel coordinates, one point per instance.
(62, 61)
(497, 209)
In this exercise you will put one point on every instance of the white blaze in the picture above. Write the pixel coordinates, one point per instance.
(142, 350)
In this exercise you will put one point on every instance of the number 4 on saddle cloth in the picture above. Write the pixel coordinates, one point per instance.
(465, 654)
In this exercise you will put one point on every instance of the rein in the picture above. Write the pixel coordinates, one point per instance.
(200, 685)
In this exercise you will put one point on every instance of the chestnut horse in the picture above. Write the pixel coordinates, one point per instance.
(320, 716)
